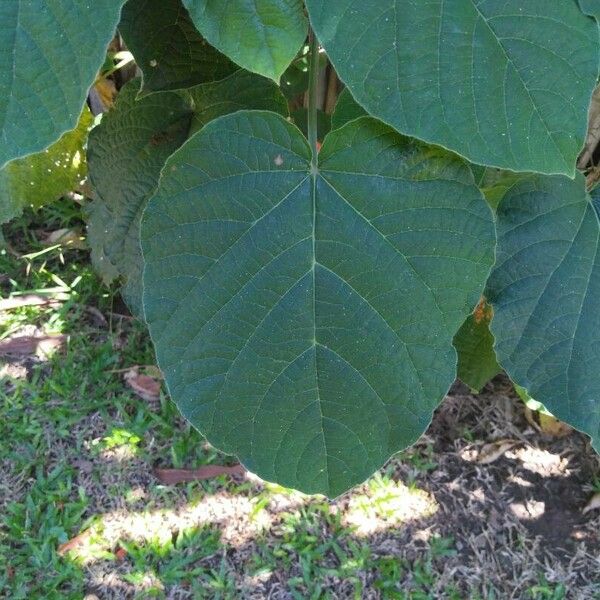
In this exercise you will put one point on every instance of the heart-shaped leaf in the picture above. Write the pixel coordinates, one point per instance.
(505, 84)
(545, 289)
(263, 36)
(50, 51)
(303, 315)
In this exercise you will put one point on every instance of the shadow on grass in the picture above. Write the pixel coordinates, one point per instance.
(513, 529)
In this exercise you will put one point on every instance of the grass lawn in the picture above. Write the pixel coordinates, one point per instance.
(83, 515)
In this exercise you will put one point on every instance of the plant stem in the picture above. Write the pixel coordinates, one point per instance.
(312, 97)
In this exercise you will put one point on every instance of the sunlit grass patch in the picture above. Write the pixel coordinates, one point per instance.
(382, 503)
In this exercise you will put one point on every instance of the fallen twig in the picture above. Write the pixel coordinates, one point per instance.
(175, 476)
(33, 300)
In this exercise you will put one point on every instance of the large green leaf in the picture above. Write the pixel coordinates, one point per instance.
(168, 48)
(263, 36)
(50, 51)
(545, 289)
(503, 83)
(129, 149)
(474, 344)
(305, 322)
(46, 176)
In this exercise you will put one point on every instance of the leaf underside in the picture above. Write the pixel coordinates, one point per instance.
(50, 51)
(168, 48)
(262, 36)
(305, 323)
(545, 289)
(505, 84)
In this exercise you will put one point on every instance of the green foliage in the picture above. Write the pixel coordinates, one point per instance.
(128, 151)
(494, 183)
(300, 118)
(168, 48)
(545, 289)
(241, 91)
(590, 7)
(50, 51)
(291, 295)
(346, 109)
(505, 84)
(46, 176)
(303, 302)
(262, 36)
(474, 343)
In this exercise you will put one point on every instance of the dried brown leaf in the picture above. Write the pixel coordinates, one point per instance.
(488, 453)
(70, 238)
(74, 543)
(554, 427)
(42, 346)
(146, 387)
(547, 424)
(120, 554)
(107, 91)
(32, 300)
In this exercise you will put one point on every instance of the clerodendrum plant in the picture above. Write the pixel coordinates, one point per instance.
(307, 302)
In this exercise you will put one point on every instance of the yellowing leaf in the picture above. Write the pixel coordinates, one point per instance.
(44, 177)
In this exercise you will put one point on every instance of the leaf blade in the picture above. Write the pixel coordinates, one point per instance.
(41, 178)
(42, 87)
(168, 48)
(262, 36)
(473, 77)
(543, 292)
(474, 343)
(275, 361)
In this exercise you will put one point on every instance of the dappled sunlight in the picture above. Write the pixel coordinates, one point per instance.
(519, 481)
(478, 495)
(120, 445)
(234, 515)
(382, 503)
(143, 581)
(117, 545)
(528, 509)
(541, 462)
(277, 498)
